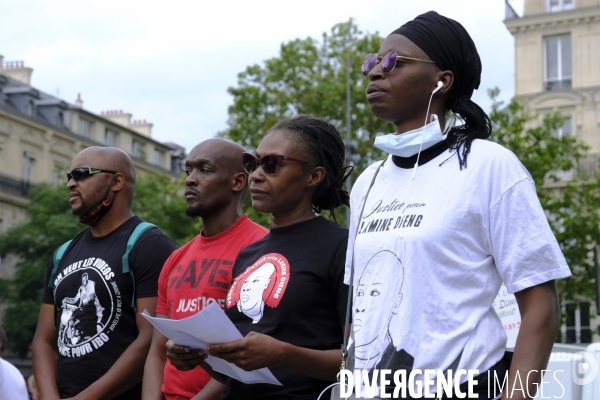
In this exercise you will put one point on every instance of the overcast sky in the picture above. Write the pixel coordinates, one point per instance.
(171, 62)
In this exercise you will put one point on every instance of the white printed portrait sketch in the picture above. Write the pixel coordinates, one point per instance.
(73, 307)
(377, 297)
(252, 301)
(65, 332)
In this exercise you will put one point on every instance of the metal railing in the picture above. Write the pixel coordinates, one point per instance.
(564, 84)
(17, 187)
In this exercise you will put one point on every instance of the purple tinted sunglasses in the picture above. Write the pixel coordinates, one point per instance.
(388, 62)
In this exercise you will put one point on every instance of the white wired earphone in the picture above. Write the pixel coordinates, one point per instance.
(439, 86)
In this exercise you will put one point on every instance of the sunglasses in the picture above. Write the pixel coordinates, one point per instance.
(270, 162)
(388, 62)
(81, 173)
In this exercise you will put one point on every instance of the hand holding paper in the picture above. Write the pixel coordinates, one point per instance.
(183, 358)
(210, 326)
(254, 351)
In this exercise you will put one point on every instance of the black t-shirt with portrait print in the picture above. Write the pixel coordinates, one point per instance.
(92, 297)
(289, 285)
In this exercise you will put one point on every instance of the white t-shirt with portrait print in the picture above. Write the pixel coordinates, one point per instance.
(431, 253)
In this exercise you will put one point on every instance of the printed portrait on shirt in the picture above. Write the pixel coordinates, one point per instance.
(82, 316)
(377, 299)
(261, 284)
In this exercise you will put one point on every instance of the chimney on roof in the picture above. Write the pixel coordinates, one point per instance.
(16, 70)
(118, 116)
(143, 127)
(122, 118)
(79, 102)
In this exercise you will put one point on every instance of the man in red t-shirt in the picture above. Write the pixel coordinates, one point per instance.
(199, 273)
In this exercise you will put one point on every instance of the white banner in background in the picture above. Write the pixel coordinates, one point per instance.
(507, 309)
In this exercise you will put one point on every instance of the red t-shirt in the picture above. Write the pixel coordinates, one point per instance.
(193, 277)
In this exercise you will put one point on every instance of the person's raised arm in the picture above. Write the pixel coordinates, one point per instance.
(155, 366)
(128, 370)
(540, 320)
(45, 353)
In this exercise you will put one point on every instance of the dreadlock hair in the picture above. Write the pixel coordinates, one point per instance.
(476, 125)
(324, 148)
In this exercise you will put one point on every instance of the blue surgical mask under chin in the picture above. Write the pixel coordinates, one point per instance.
(412, 142)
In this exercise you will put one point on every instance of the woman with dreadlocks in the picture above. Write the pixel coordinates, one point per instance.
(288, 297)
(440, 223)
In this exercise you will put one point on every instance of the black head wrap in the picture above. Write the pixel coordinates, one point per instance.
(449, 45)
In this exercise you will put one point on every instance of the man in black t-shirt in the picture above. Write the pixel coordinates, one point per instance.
(89, 342)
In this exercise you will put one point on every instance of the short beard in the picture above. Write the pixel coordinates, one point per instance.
(83, 208)
(194, 211)
(79, 211)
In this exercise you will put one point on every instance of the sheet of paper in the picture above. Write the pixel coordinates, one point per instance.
(210, 326)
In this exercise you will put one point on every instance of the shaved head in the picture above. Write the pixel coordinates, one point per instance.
(223, 152)
(109, 158)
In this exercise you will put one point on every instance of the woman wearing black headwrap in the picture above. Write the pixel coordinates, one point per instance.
(442, 222)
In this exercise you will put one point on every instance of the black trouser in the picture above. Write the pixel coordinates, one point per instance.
(488, 382)
(485, 387)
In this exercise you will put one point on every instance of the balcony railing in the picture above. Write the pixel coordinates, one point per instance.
(564, 84)
(17, 187)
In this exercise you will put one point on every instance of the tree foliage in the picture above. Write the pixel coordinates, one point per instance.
(51, 223)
